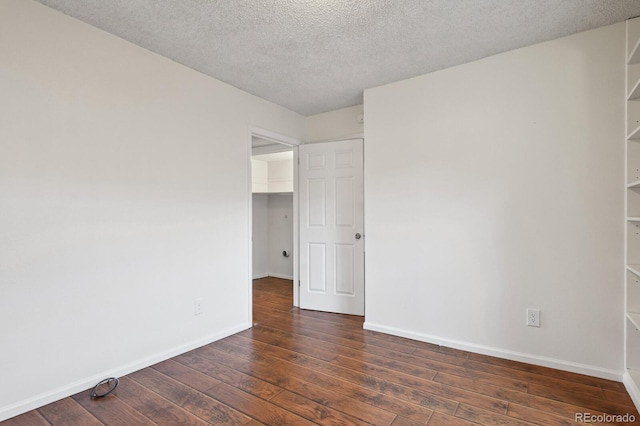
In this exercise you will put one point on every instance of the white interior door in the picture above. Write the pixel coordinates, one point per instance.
(332, 227)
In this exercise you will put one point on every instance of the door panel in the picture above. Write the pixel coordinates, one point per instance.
(344, 204)
(344, 269)
(332, 214)
(317, 267)
(316, 204)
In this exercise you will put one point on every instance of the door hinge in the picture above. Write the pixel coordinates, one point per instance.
(298, 283)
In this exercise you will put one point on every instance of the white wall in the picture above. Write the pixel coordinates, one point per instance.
(496, 186)
(332, 125)
(123, 197)
(272, 233)
(260, 230)
(280, 235)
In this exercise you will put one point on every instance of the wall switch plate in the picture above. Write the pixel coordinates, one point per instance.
(533, 317)
(197, 306)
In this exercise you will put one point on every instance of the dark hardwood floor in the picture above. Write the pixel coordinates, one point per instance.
(305, 367)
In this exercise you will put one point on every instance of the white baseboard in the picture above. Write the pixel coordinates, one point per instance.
(284, 277)
(632, 388)
(87, 383)
(559, 364)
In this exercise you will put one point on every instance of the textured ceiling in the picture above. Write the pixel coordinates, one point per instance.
(313, 56)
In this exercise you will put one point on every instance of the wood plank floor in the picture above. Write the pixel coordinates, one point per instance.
(298, 367)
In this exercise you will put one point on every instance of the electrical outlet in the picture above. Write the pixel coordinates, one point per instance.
(197, 306)
(533, 317)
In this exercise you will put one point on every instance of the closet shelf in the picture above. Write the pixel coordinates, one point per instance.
(634, 268)
(632, 223)
(635, 135)
(635, 319)
(635, 92)
(634, 57)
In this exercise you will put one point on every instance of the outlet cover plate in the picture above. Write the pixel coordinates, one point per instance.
(533, 317)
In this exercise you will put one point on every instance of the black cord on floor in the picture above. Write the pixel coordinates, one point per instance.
(111, 381)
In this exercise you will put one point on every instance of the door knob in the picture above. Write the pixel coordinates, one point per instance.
(358, 236)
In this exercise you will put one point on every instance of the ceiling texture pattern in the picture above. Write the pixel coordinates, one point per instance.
(313, 56)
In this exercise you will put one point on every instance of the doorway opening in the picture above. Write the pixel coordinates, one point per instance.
(273, 207)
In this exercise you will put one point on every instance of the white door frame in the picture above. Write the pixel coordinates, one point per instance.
(293, 143)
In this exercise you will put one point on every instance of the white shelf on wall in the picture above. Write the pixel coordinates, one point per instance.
(635, 319)
(634, 268)
(272, 173)
(635, 135)
(632, 209)
(634, 56)
(635, 92)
